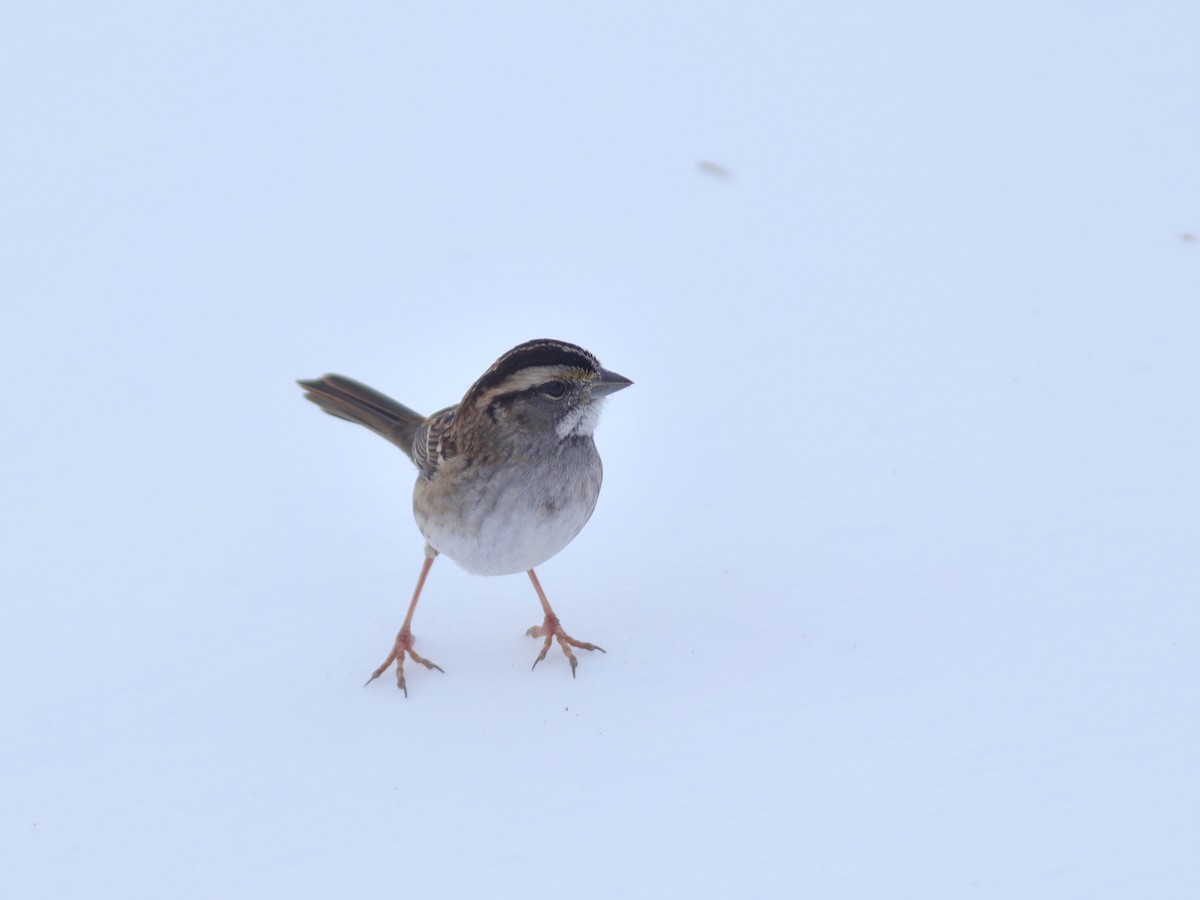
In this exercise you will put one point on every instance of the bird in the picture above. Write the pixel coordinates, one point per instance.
(506, 478)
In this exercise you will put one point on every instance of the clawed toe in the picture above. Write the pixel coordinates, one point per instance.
(403, 647)
(552, 630)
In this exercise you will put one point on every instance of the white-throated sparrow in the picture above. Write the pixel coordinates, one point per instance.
(506, 478)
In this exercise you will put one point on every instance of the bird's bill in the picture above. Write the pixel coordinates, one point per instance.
(609, 382)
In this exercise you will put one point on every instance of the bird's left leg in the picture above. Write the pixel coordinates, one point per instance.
(551, 629)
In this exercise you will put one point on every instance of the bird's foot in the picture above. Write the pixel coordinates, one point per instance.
(551, 629)
(404, 645)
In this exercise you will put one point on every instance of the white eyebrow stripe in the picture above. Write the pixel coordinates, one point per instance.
(524, 379)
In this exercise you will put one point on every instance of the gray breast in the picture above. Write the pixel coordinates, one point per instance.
(498, 520)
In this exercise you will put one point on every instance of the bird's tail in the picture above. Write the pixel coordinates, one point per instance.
(348, 399)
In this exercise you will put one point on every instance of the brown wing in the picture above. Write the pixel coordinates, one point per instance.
(434, 441)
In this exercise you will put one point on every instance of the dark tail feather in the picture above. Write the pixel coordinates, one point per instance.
(348, 399)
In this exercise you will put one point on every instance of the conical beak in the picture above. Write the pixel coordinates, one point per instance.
(609, 383)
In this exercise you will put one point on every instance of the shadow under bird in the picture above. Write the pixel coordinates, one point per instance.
(506, 478)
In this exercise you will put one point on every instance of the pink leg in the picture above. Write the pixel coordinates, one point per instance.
(551, 629)
(405, 640)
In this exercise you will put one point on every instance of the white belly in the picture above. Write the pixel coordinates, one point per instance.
(511, 521)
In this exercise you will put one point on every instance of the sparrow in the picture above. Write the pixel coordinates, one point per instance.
(505, 479)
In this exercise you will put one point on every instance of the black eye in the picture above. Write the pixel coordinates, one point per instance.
(555, 389)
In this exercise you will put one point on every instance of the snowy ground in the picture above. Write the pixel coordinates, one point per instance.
(896, 562)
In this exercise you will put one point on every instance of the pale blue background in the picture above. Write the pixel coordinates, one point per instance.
(896, 562)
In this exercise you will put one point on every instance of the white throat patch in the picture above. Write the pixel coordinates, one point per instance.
(580, 421)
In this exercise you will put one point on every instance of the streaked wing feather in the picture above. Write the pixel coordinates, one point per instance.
(434, 441)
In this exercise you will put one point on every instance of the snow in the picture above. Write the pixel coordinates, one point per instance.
(896, 559)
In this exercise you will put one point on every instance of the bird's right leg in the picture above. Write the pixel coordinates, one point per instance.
(405, 640)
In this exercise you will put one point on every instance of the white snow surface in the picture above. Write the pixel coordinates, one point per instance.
(896, 562)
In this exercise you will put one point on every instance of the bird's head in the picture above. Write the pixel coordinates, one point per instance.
(542, 388)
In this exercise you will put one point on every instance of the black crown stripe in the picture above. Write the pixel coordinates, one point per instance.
(533, 353)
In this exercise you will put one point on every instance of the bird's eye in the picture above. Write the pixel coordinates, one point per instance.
(555, 389)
